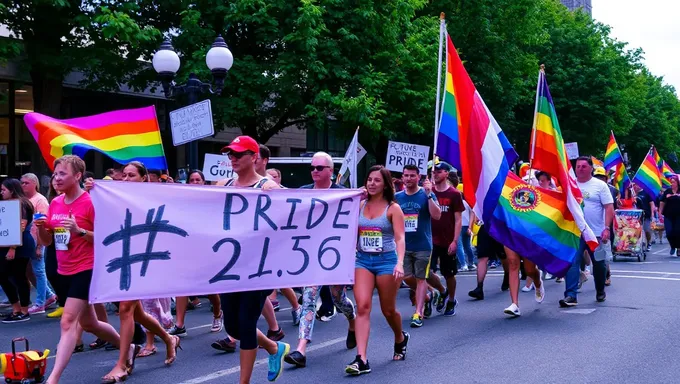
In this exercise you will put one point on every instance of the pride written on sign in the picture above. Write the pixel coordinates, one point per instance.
(162, 240)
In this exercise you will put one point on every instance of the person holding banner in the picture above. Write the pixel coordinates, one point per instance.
(134, 311)
(379, 263)
(243, 309)
(69, 224)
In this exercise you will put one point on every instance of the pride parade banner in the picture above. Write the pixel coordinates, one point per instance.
(161, 240)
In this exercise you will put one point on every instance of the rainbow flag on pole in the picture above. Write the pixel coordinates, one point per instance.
(648, 176)
(666, 170)
(612, 156)
(621, 180)
(124, 136)
(549, 154)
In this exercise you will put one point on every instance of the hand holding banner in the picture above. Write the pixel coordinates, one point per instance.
(182, 240)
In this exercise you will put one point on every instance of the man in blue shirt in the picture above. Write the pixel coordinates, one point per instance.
(420, 206)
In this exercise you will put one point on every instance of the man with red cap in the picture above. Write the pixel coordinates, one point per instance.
(243, 309)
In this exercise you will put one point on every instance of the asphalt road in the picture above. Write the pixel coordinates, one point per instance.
(631, 338)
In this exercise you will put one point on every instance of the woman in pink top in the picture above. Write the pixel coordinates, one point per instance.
(131, 311)
(69, 225)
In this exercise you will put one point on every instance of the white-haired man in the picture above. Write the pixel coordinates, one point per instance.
(44, 294)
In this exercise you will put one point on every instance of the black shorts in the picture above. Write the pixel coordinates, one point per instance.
(447, 263)
(487, 246)
(76, 286)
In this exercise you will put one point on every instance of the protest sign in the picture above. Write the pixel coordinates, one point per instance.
(572, 150)
(217, 167)
(10, 223)
(183, 240)
(191, 123)
(400, 154)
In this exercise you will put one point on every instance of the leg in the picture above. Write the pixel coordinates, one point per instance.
(460, 252)
(387, 292)
(290, 296)
(364, 283)
(30, 276)
(38, 265)
(421, 272)
(217, 308)
(327, 307)
(181, 310)
(270, 316)
(513, 262)
(421, 293)
(309, 297)
(599, 274)
(343, 303)
(571, 280)
(153, 326)
(67, 341)
(100, 310)
(436, 283)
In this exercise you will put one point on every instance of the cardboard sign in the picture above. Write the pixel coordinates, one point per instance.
(400, 154)
(191, 123)
(572, 150)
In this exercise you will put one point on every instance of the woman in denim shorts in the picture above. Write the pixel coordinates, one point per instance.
(379, 263)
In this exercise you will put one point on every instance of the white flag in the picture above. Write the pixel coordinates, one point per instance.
(355, 152)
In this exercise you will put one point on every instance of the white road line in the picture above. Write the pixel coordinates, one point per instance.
(581, 311)
(649, 272)
(648, 277)
(232, 370)
(199, 327)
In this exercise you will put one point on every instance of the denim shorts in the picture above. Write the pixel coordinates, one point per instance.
(377, 263)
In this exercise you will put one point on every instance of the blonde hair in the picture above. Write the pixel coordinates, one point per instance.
(77, 164)
(34, 179)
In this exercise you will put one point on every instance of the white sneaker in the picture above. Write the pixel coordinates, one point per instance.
(217, 323)
(529, 288)
(512, 310)
(540, 293)
(548, 276)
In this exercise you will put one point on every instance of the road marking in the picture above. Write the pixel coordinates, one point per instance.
(232, 370)
(199, 327)
(649, 272)
(581, 311)
(648, 277)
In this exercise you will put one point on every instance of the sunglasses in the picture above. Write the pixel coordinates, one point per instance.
(238, 155)
(318, 168)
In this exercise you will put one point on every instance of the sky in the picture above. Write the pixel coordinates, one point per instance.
(652, 25)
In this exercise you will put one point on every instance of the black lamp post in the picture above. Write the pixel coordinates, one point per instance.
(166, 62)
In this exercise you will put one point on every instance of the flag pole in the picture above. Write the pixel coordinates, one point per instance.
(353, 172)
(541, 72)
(442, 29)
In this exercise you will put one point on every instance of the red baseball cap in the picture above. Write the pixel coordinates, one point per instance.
(242, 144)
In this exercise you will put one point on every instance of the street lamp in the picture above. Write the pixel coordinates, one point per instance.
(166, 63)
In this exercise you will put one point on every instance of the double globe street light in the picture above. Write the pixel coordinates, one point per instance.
(166, 63)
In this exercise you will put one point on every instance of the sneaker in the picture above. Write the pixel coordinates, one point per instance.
(276, 361)
(441, 302)
(50, 301)
(224, 345)
(16, 318)
(351, 341)
(601, 297)
(472, 267)
(180, 331)
(276, 305)
(672, 251)
(548, 276)
(357, 367)
(451, 308)
(217, 323)
(529, 288)
(512, 310)
(559, 280)
(428, 304)
(296, 358)
(416, 321)
(540, 293)
(327, 316)
(275, 335)
(296, 313)
(464, 269)
(493, 265)
(56, 313)
(477, 293)
(568, 302)
(36, 309)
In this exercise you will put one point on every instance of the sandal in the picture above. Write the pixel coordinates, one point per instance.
(176, 344)
(146, 352)
(400, 348)
(110, 379)
(97, 344)
(79, 348)
(131, 360)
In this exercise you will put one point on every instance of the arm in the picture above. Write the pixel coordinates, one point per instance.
(661, 205)
(433, 207)
(608, 219)
(398, 224)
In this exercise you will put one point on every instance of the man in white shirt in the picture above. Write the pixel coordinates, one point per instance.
(599, 214)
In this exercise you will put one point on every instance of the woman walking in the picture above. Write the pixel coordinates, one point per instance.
(379, 263)
(669, 208)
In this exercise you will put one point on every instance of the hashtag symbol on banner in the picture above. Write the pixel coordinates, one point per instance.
(152, 226)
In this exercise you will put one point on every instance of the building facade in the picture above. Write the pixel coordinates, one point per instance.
(573, 5)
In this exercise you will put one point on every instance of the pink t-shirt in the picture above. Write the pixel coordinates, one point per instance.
(40, 205)
(74, 253)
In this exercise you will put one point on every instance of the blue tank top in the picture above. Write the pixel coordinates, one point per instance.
(375, 235)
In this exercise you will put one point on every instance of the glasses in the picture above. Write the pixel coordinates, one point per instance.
(238, 155)
(318, 168)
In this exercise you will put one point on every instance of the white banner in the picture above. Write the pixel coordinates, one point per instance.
(217, 167)
(165, 240)
(400, 154)
(10, 223)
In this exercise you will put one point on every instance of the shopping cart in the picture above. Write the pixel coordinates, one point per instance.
(628, 234)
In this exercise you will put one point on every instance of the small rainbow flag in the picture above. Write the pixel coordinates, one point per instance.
(621, 180)
(597, 162)
(612, 156)
(648, 177)
(666, 174)
(124, 136)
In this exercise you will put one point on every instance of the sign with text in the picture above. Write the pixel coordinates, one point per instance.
(572, 150)
(184, 240)
(10, 223)
(217, 167)
(191, 123)
(400, 154)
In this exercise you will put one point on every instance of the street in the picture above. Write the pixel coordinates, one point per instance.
(632, 338)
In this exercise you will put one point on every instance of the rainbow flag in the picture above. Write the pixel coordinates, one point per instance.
(596, 162)
(621, 180)
(536, 223)
(124, 136)
(666, 173)
(612, 156)
(549, 154)
(648, 177)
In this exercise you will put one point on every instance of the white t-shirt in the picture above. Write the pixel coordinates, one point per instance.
(595, 196)
(465, 217)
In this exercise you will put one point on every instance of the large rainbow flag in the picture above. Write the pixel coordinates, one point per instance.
(648, 176)
(124, 136)
(612, 156)
(549, 154)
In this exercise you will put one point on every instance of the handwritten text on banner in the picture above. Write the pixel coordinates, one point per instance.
(162, 240)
